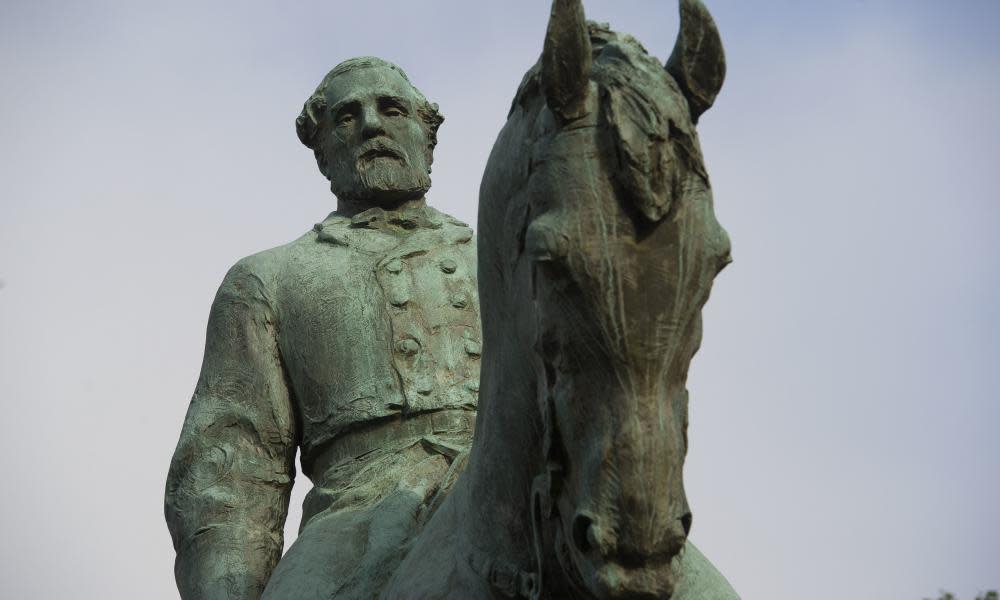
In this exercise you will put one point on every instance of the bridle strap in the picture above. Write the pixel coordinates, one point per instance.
(504, 575)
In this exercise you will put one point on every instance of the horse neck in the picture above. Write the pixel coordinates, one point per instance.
(506, 451)
(506, 455)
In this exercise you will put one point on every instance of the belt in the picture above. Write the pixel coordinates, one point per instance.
(385, 432)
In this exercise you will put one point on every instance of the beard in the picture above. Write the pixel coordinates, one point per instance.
(382, 175)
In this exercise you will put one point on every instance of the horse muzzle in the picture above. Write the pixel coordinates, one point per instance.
(610, 562)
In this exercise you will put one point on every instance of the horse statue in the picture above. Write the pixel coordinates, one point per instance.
(598, 245)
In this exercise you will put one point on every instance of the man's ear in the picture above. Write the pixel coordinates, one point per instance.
(432, 119)
(307, 123)
(429, 150)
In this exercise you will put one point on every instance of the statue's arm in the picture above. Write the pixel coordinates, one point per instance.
(231, 475)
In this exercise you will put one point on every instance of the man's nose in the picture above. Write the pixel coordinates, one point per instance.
(371, 122)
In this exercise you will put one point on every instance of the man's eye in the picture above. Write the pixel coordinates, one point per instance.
(392, 111)
(345, 118)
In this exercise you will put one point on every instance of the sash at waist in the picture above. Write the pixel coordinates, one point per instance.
(384, 433)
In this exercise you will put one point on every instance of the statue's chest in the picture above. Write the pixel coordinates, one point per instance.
(378, 325)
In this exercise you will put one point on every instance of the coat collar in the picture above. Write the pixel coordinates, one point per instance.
(422, 217)
(386, 225)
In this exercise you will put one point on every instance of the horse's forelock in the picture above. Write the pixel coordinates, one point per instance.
(652, 145)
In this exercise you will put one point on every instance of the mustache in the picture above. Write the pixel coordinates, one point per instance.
(380, 148)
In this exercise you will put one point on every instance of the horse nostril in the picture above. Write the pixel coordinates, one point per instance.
(686, 523)
(582, 534)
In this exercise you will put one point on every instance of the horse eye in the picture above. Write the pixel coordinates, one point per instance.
(543, 243)
(542, 255)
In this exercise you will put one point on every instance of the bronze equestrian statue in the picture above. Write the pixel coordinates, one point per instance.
(359, 343)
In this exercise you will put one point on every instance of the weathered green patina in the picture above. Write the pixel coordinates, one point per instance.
(357, 343)
(598, 246)
(360, 344)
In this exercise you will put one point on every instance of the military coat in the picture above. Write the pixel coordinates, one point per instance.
(365, 324)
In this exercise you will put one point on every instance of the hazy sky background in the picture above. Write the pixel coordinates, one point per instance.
(845, 419)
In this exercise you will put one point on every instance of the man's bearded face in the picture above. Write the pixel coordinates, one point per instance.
(373, 142)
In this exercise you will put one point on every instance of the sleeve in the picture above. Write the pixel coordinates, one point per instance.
(231, 475)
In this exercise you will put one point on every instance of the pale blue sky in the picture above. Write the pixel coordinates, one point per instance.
(844, 405)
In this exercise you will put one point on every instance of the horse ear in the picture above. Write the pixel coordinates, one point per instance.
(566, 60)
(698, 62)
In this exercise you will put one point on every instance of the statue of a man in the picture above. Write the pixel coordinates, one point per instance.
(357, 343)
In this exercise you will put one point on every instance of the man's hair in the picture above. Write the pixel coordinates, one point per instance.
(307, 123)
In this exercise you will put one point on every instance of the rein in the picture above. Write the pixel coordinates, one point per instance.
(504, 575)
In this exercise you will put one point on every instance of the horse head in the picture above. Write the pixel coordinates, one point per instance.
(599, 171)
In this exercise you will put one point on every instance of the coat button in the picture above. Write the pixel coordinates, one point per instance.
(472, 348)
(448, 265)
(459, 300)
(407, 347)
(394, 266)
(472, 385)
(398, 299)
